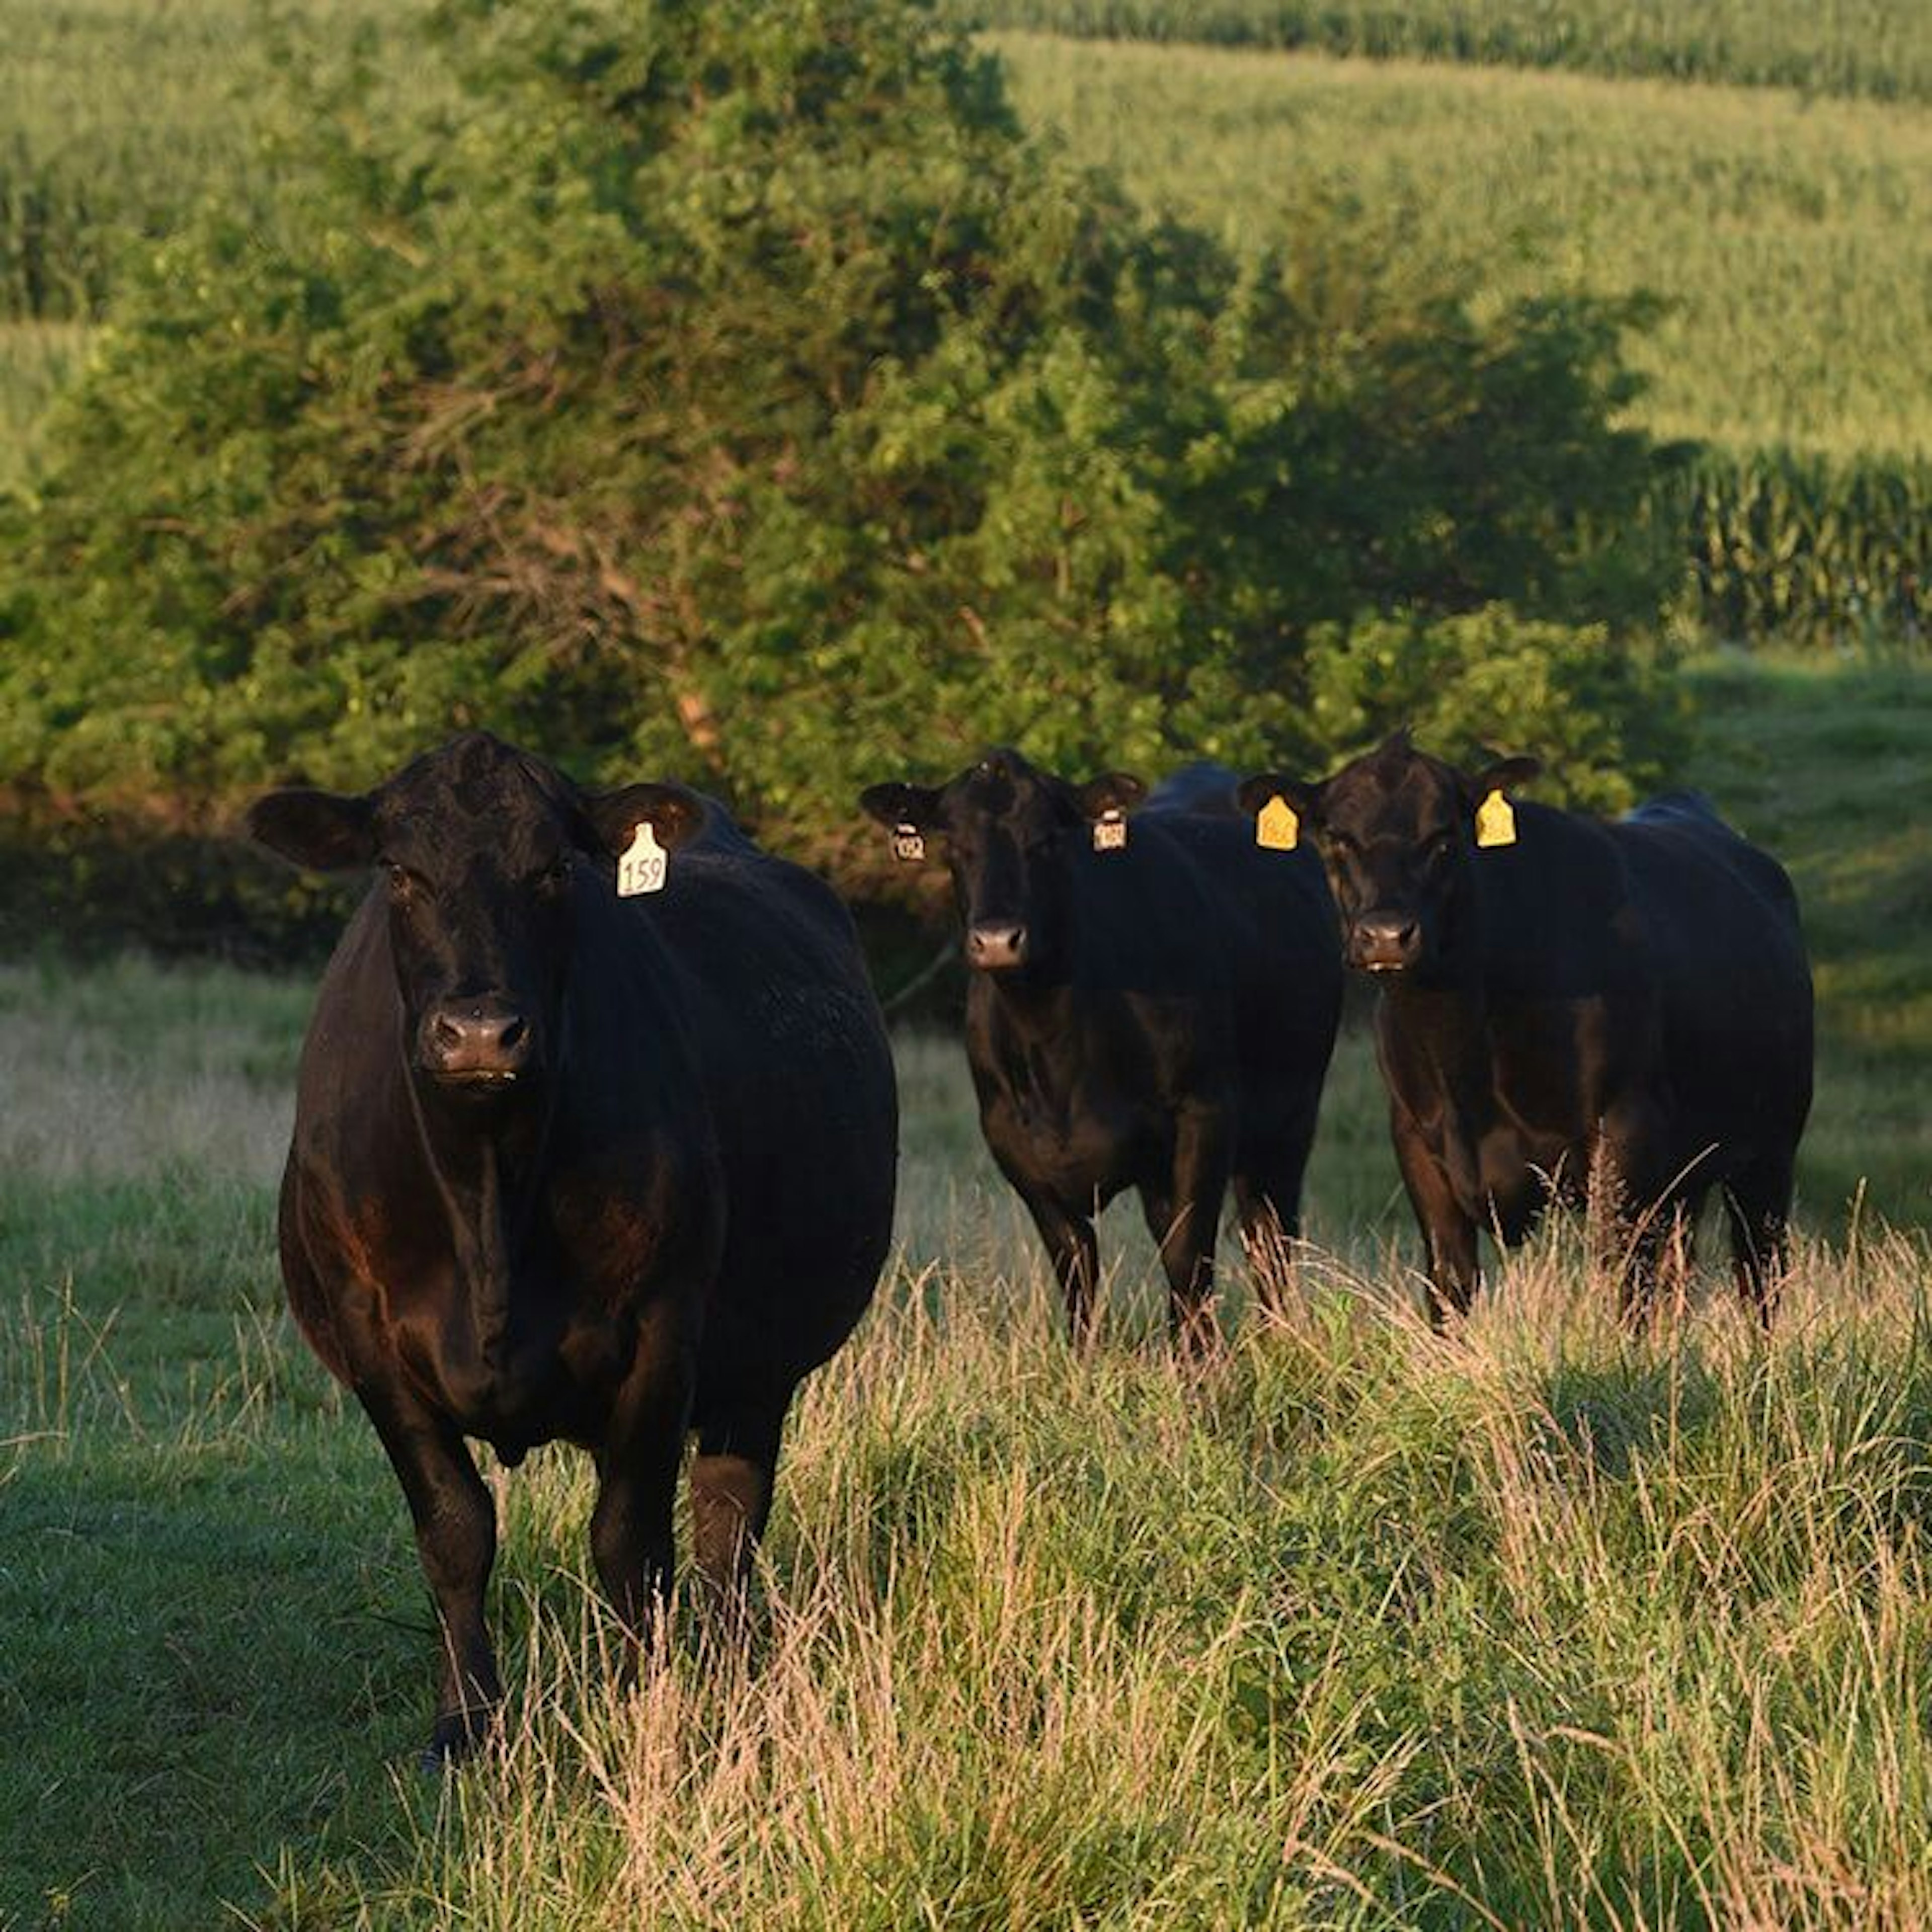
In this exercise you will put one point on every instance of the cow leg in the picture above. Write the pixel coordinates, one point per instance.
(1448, 1234)
(1268, 1236)
(1076, 1256)
(731, 1479)
(1757, 1205)
(630, 1535)
(456, 1538)
(1649, 1207)
(1269, 1205)
(1183, 1222)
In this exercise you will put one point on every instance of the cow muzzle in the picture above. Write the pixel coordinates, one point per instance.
(482, 1043)
(996, 946)
(1385, 942)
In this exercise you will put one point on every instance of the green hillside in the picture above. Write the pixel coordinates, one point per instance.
(1789, 239)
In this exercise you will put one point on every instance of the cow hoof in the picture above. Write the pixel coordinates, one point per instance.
(458, 1738)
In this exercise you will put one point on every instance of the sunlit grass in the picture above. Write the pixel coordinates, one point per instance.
(1537, 1623)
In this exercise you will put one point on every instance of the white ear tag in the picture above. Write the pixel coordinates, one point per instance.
(1110, 831)
(641, 868)
(908, 844)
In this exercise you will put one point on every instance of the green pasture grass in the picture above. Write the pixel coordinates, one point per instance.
(1790, 238)
(1877, 47)
(1536, 1623)
(1825, 764)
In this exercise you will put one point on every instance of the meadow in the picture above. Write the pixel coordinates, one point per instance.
(1534, 1624)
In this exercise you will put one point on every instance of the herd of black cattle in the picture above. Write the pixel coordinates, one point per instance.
(596, 1126)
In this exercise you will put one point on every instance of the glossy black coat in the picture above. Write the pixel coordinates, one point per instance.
(1165, 1026)
(1629, 1000)
(654, 1210)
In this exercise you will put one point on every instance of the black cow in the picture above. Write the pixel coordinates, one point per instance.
(572, 1165)
(1156, 1014)
(1558, 992)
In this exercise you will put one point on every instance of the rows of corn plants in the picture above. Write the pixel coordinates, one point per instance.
(1788, 245)
(1811, 550)
(1880, 48)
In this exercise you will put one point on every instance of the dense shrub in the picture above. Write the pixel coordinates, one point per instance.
(734, 391)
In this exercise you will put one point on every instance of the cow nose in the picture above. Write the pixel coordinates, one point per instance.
(481, 1040)
(1386, 942)
(994, 945)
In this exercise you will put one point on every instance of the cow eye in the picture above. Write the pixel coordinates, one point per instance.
(555, 876)
(401, 879)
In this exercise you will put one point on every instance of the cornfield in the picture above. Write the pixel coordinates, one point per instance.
(1879, 48)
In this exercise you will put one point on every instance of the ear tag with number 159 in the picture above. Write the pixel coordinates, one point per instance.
(1495, 822)
(641, 868)
(1276, 825)
(908, 844)
(1110, 831)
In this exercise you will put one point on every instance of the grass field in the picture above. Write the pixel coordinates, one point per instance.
(1535, 1625)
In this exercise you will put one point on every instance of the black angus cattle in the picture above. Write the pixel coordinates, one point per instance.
(1559, 992)
(572, 1165)
(1156, 1014)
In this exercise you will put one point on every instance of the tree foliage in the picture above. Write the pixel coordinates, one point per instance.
(734, 391)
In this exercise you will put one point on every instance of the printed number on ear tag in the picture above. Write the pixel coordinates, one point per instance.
(908, 844)
(1277, 826)
(641, 869)
(1495, 822)
(1110, 831)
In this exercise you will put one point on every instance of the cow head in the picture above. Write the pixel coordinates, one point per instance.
(1010, 832)
(1397, 831)
(486, 854)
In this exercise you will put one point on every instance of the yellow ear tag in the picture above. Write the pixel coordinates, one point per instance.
(1276, 826)
(1110, 831)
(641, 869)
(1495, 822)
(908, 844)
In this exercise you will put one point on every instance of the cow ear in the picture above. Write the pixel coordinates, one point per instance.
(675, 815)
(1504, 775)
(1112, 792)
(323, 831)
(1252, 795)
(895, 804)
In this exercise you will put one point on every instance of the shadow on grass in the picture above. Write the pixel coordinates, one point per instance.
(211, 1652)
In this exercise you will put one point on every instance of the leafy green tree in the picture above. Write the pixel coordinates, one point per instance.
(732, 391)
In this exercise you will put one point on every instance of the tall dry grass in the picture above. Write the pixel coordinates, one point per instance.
(1536, 1623)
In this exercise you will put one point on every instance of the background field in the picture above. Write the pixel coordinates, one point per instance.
(1790, 239)
(1790, 236)
(1880, 47)
(1781, 224)
(1535, 1625)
